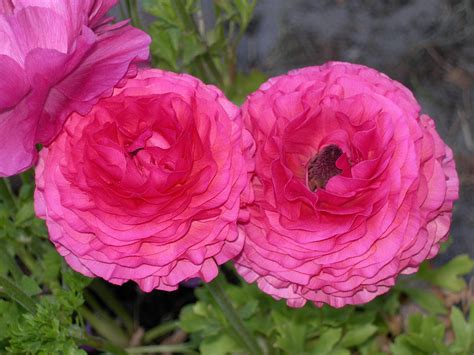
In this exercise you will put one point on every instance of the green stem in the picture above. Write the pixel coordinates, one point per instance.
(27, 259)
(111, 301)
(217, 291)
(159, 330)
(16, 294)
(188, 21)
(174, 348)
(100, 344)
(107, 329)
(11, 264)
(6, 193)
(134, 14)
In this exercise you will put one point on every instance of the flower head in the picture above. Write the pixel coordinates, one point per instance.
(57, 57)
(147, 187)
(353, 186)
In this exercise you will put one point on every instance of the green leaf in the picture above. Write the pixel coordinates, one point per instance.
(425, 334)
(426, 299)
(219, 345)
(191, 47)
(326, 341)
(9, 315)
(25, 214)
(29, 286)
(340, 352)
(17, 294)
(291, 333)
(358, 336)
(449, 275)
(246, 84)
(462, 331)
(402, 347)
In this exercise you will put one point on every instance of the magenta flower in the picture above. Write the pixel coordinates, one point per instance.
(57, 57)
(147, 187)
(352, 186)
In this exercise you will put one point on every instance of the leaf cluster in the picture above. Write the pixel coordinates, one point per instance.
(187, 37)
(39, 294)
(418, 316)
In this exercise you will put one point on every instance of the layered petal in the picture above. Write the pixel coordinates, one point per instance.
(352, 186)
(62, 57)
(147, 186)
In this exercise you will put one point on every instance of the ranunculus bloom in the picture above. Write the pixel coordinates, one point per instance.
(56, 57)
(352, 187)
(147, 186)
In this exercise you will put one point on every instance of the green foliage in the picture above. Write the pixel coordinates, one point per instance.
(392, 323)
(184, 41)
(51, 329)
(448, 276)
(39, 295)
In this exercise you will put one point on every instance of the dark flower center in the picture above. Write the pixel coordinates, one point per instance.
(322, 167)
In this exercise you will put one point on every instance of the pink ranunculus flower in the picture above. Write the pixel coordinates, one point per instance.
(353, 186)
(57, 57)
(147, 186)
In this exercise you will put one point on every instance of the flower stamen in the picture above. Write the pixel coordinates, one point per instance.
(322, 167)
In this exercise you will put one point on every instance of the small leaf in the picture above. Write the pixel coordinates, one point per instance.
(25, 214)
(426, 299)
(219, 345)
(326, 341)
(17, 294)
(462, 330)
(358, 336)
(448, 275)
(340, 352)
(29, 286)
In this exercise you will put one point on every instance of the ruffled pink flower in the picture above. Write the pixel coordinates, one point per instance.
(57, 57)
(352, 186)
(147, 187)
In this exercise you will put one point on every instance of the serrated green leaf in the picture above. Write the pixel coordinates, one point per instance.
(25, 214)
(425, 334)
(326, 341)
(191, 48)
(336, 316)
(449, 275)
(248, 309)
(16, 294)
(426, 299)
(29, 286)
(340, 352)
(9, 315)
(219, 345)
(402, 347)
(462, 330)
(358, 336)
(291, 333)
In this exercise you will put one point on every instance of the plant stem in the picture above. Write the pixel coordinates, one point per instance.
(107, 329)
(100, 344)
(6, 193)
(16, 294)
(135, 15)
(159, 330)
(11, 264)
(219, 295)
(111, 301)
